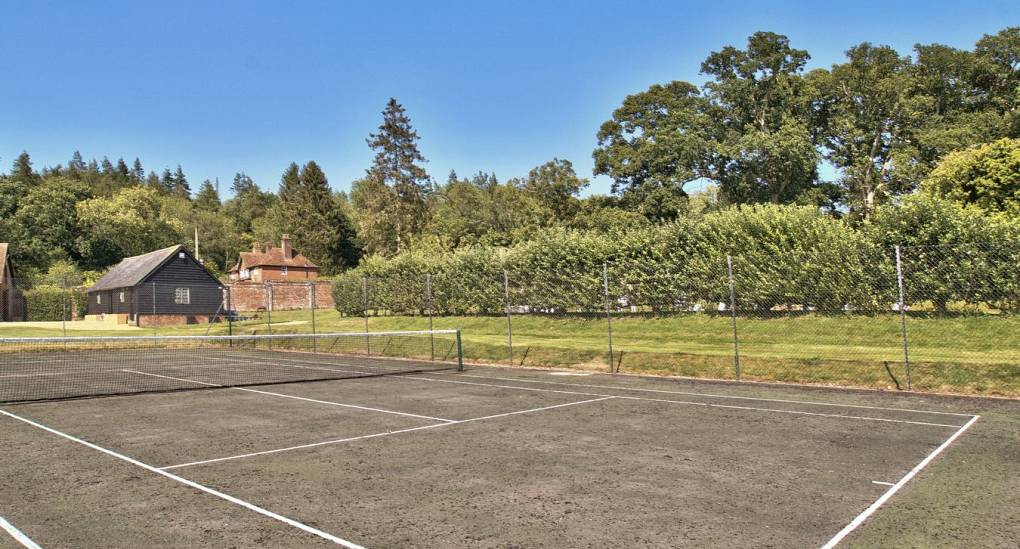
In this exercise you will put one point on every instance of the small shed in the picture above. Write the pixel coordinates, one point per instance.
(12, 303)
(163, 287)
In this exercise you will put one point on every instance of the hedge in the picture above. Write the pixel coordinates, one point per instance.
(48, 303)
(784, 258)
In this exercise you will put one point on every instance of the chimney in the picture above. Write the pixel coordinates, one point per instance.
(288, 253)
(256, 247)
(267, 247)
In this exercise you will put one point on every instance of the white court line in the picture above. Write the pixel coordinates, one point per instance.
(331, 403)
(18, 535)
(688, 393)
(641, 389)
(896, 487)
(377, 435)
(250, 506)
(882, 483)
(684, 402)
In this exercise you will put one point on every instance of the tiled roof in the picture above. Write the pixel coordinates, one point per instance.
(273, 258)
(132, 270)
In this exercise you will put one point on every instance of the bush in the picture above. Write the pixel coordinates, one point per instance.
(47, 303)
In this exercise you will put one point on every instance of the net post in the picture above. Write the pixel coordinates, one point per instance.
(428, 297)
(509, 323)
(460, 353)
(733, 315)
(903, 317)
(609, 317)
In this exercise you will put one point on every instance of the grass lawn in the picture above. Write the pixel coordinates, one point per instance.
(979, 354)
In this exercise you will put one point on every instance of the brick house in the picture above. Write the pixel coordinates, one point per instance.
(267, 263)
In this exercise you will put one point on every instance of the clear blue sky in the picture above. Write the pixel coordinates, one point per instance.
(504, 86)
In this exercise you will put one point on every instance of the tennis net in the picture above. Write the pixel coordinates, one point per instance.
(34, 368)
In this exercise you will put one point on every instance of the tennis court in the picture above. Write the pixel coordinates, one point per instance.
(387, 440)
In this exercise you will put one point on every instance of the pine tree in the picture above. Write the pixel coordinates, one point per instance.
(22, 171)
(396, 166)
(152, 180)
(312, 214)
(242, 185)
(123, 173)
(181, 187)
(107, 167)
(137, 172)
(75, 166)
(207, 199)
(167, 182)
(290, 183)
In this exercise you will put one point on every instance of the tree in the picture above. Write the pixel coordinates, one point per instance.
(75, 166)
(208, 198)
(662, 137)
(315, 218)
(764, 106)
(167, 182)
(248, 204)
(122, 171)
(751, 129)
(987, 176)
(137, 172)
(556, 186)
(133, 221)
(870, 119)
(180, 184)
(46, 223)
(290, 183)
(395, 202)
(22, 172)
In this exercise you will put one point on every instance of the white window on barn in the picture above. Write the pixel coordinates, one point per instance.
(182, 296)
(99, 299)
(283, 270)
(122, 297)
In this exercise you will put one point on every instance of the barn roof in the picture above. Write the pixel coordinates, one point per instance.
(131, 271)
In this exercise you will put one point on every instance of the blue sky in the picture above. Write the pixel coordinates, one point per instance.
(226, 86)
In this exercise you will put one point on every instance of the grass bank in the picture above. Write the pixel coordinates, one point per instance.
(976, 355)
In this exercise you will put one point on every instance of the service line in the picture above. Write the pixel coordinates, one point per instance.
(378, 435)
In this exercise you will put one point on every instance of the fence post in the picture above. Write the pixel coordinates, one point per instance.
(154, 309)
(428, 299)
(903, 317)
(733, 315)
(311, 301)
(230, 315)
(460, 353)
(609, 317)
(506, 299)
(269, 309)
(364, 296)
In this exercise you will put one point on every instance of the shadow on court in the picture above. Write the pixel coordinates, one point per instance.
(485, 458)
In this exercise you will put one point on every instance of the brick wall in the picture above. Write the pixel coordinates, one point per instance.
(254, 296)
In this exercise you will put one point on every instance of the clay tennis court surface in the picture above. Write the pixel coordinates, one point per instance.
(493, 457)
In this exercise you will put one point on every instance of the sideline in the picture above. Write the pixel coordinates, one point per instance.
(895, 487)
(18, 535)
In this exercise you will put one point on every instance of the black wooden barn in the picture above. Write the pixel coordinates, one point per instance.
(166, 286)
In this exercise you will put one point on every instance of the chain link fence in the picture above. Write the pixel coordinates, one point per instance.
(940, 319)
